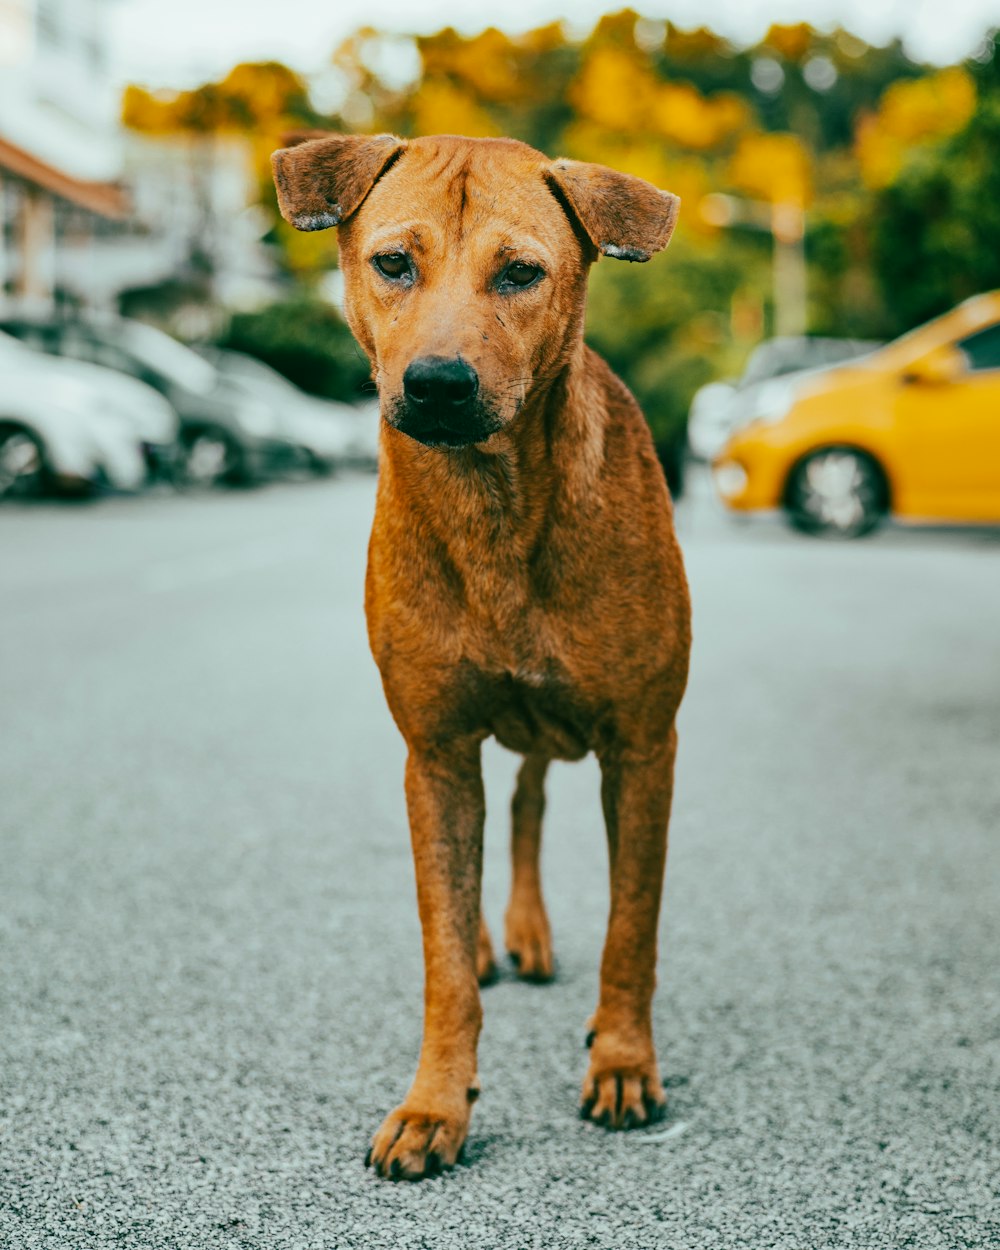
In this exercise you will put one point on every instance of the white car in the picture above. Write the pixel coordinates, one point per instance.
(329, 433)
(144, 410)
(710, 419)
(56, 431)
(719, 408)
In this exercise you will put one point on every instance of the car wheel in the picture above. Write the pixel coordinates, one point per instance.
(22, 465)
(837, 492)
(320, 466)
(211, 458)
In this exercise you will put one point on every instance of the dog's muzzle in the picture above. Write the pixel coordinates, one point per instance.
(440, 405)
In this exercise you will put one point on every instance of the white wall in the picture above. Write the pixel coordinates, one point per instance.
(57, 97)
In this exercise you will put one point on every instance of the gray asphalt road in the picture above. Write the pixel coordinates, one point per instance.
(209, 955)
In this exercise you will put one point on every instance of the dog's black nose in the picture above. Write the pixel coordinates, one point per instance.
(440, 382)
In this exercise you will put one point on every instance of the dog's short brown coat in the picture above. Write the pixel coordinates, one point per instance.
(527, 586)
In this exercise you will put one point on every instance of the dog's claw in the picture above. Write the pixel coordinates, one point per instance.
(368, 1157)
(655, 1112)
(590, 1039)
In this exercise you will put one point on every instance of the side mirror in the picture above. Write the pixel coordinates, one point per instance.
(938, 368)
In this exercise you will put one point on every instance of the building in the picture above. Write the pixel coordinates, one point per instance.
(60, 148)
(89, 214)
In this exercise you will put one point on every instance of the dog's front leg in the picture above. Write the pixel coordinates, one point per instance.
(622, 1088)
(444, 794)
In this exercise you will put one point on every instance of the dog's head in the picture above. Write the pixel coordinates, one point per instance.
(465, 263)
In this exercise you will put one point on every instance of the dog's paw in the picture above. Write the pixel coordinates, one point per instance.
(528, 939)
(413, 1144)
(621, 1091)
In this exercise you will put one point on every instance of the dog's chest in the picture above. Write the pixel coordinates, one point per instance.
(536, 710)
(528, 691)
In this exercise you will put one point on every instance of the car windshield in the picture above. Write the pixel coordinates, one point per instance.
(10, 344)
(967, 318)
(250, 369)
(164, 355)
(778, 357)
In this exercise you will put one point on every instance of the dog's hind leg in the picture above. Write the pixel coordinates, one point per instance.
(526, 929)
(486, 965)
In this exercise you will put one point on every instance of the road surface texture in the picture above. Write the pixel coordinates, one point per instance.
(210, 972)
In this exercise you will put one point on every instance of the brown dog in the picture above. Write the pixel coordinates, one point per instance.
(524, 579)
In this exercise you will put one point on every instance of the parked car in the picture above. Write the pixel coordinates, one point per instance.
(59, 432)
(150, 416)
(911, 430)
(719, 408)
(710, 418)
(327, 433)
(227, 435)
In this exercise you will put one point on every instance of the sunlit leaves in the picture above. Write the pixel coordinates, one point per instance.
(911, 113)
(261, 96)
(791, 42)
(774, 167)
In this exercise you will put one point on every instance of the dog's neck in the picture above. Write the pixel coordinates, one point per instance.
(495, 501)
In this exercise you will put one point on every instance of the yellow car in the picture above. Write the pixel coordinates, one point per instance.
(912, 430)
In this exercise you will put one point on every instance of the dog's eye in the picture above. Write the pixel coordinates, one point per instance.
(392, 264)
(520, 273)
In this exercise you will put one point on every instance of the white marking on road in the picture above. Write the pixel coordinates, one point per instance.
(654, 1139)
(209, 566)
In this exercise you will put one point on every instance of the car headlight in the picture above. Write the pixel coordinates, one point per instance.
(255, 418)
(775, 402)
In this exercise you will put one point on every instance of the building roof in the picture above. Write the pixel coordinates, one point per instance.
(107, 199)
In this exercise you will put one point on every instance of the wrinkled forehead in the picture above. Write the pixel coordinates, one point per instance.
(446, 192)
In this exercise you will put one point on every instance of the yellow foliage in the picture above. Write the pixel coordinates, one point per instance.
(645, 158)
(912, 112)
(441, 107)
(491, 65)
(149, 113)
(617, 89)
(614, 89)
(614, 30)
(485, 62)
(774, 167)
(927, 107)
(682, 114)
(690, 180)
(251, 96)
(694, 44)
(544, 38)
(791, 42)
(263, 90)
(306, 254)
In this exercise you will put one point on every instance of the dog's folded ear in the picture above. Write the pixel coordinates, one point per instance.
(623, 216)
(322, 179)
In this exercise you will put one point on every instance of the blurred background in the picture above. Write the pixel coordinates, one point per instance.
(838, 184)
(209, 955)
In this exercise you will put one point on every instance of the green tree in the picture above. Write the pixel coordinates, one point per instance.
(936, 228)
(307, 341)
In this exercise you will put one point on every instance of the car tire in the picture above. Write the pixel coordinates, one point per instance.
(211, 458)
(22, 464)
(320, 466)
(838, 492)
